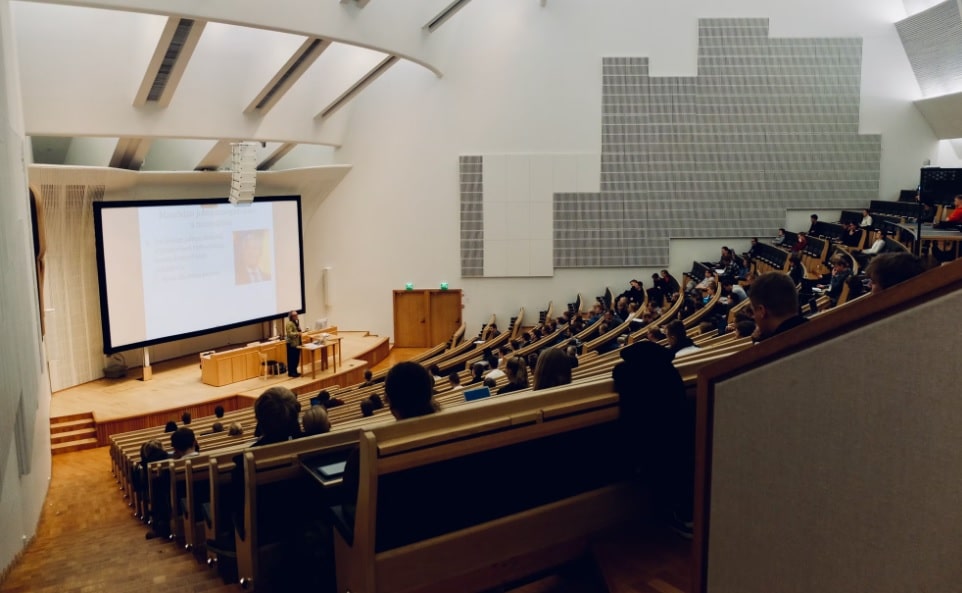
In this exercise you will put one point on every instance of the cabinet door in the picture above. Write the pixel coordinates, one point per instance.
(445, 315)
(410, 319)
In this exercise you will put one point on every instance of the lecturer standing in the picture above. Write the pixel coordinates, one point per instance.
(292, 332)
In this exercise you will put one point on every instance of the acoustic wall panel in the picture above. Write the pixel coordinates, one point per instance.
(933, 43)
(472, 216)
(766, 125)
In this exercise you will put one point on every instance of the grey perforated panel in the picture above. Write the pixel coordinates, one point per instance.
(933, 43)
(767, 124)
(472, 216)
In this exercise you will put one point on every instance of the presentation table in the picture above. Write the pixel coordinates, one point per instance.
(333, 342)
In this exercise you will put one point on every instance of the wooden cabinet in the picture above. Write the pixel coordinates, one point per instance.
(425, 318)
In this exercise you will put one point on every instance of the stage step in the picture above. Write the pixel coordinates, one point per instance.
(73, 432)
(73, 446)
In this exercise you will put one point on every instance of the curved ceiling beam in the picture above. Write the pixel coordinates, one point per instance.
(389, 27)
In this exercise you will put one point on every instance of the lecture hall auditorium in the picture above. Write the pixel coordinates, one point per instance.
(530, 156)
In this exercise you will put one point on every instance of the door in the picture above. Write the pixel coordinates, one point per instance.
(445, 315)
(410, 319)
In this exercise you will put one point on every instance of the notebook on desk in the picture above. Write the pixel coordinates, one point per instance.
(477, 393)
(332, 470)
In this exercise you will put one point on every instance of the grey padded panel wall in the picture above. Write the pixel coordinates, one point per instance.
(472, 216)
(933, 43)
(766, 125)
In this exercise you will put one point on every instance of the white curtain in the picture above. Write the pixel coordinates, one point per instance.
(71, 292)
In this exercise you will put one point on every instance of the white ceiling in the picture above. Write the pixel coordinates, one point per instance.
(82, 66)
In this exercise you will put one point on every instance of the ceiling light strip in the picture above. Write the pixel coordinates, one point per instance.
(275, 156)
(444, 15)
(357, 87)
(290, 72)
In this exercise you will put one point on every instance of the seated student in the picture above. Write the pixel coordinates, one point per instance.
(370, 404)
(754, 249)
(219, 411)
(490, 332)
(454, 380)
(517, 373)
(744, 328)
(235, 429)
(671, 288)
(153, 450)
(435, 371)
(553, 369)
(577, 325)
(796, 270)
(840, 273)
(955, 217)
(324, 398)
(477, 374)
(621, 311)
(679, 344)
(878, 246)
(813, 224)
(866, 222)
(732, 293)
(407, 389)
(276, 412)
(779, 239)
(171, 426)
(856, 287)
(367, 410)
(217, 427)
(774, 305)
(184, 443)
(369, 379)
(315, 421)
(185, 418)
(658, 429)
(744, 268)
(635, 292)
(801, 242)
(593, 316)
(890, 269)
(656, 294)
(497, 372)
(852, 235)
(707, 285)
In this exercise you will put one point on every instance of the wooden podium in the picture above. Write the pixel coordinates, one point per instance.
(230, 366)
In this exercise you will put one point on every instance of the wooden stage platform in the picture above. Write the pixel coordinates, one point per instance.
(120, 405)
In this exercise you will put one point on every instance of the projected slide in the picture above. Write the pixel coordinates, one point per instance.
(174, 269)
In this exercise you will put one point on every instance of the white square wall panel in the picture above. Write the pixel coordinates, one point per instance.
(518, 178)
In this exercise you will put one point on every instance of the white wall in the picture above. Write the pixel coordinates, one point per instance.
(521, 78)
(21, 362)
(518, 78)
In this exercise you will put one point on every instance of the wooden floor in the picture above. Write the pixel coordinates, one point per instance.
(176, 384)
(88, 542)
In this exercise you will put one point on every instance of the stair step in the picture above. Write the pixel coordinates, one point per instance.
(68, 425)
(73, 446)
(69, 417)
(73, 435)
